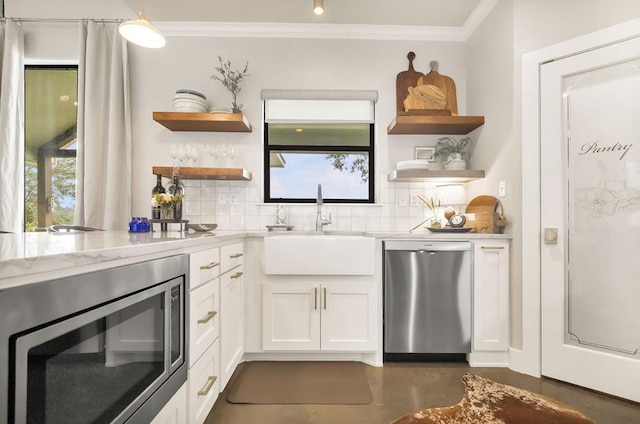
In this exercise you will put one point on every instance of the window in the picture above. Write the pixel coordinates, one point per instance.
(324, 140)
(51, 94)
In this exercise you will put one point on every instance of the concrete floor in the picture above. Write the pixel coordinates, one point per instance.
(399, 388)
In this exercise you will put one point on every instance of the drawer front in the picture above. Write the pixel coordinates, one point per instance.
(204, 266)
(204, 384)
(204, 318)
(231, 256)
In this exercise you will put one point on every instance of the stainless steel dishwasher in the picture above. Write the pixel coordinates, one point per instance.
(427, 300)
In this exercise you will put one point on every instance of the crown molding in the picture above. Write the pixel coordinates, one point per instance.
(477, 16)
(296, 30)
(329, 31)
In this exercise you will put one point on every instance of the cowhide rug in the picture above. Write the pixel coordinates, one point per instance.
(488, 402)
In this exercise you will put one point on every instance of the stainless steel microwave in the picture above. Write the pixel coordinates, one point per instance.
(103, 347)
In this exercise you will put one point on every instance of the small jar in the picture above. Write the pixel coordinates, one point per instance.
(139, 225)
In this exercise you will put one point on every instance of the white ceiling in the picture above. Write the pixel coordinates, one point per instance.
(372, 12)
(423, 13)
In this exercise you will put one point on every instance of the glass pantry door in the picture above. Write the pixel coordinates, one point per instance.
(590, 168)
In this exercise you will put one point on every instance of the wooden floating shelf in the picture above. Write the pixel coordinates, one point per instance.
(198, 173)
(212, 122)
(434, 124)
(435, 176)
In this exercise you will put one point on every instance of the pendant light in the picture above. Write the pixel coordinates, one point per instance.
(141, 32)
(318, 7)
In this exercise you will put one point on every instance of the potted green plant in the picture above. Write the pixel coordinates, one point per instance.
(453, 153)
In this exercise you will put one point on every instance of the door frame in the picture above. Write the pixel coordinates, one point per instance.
(528, 360)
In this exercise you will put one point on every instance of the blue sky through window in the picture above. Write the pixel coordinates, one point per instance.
(304, 171)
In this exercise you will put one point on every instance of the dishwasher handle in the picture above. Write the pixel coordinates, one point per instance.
(427, 245)
(423, 251)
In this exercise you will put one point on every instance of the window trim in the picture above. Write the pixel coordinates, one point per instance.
(370, 149)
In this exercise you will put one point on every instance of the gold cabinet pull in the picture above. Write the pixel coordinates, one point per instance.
(208, 387)
(236, 256)
(315, 298)
(207, 317)
(210, 265)
(492, 247)
(325, 297)
(237, 274)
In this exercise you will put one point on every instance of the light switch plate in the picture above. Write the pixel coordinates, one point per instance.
(502, 189)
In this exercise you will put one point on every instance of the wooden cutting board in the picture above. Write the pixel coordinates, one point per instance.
(446, 85)
(404, 80)
(488, 214)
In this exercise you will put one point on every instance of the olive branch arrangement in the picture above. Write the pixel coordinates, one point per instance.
(231, 80)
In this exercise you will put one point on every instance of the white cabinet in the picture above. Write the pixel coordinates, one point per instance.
(231, 310)
(319, 316)
(204, 384)
(175, 411)
(203, 381)
(204, 319)
(491, 296)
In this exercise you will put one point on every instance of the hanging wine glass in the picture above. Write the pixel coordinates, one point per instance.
(211, 150)
(174, 152)
(231, 155)
(224, 153)
(190, 154)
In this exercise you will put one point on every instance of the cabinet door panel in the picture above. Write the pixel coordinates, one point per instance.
(204, 266)
(204, 319)
(204, 385)
(348, 317)
(291, 317)
(231, 322)
(231, 256)
(491, 296)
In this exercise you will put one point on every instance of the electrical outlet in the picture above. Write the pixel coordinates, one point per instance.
(502, 189)
(415, 201)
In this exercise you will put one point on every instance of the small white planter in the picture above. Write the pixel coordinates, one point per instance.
(456, 165)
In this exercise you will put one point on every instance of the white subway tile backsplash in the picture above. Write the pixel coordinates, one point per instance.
(359, 224)
(192, 208)
(252, 194)
(208, 208)
(252, 223)
(373, 224)
(223, 210)
(236, 205)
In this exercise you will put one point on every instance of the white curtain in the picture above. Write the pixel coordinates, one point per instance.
(103, 192)
(11, 127)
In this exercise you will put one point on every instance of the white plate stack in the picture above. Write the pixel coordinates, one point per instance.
(405, 165)
(190, 101)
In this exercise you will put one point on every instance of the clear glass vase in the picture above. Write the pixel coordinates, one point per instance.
(167, 212)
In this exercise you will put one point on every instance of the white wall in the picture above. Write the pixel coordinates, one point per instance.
(188, 62)
(490, 59)
(494, 52)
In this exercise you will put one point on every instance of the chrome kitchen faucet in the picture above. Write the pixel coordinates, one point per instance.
(320, 221)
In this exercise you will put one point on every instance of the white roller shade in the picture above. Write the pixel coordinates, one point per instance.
(319, 105)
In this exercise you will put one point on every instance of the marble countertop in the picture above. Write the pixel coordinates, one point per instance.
(32, 257)
(29, 257)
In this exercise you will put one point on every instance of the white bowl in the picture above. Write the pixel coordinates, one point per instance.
(191, 92)
(189, 109)
(187, 96)
(412, 164)
(221, 110)
(180, 105)
(195, 101)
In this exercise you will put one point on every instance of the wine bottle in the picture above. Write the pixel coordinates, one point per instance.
(176, 187)
(158, 189)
